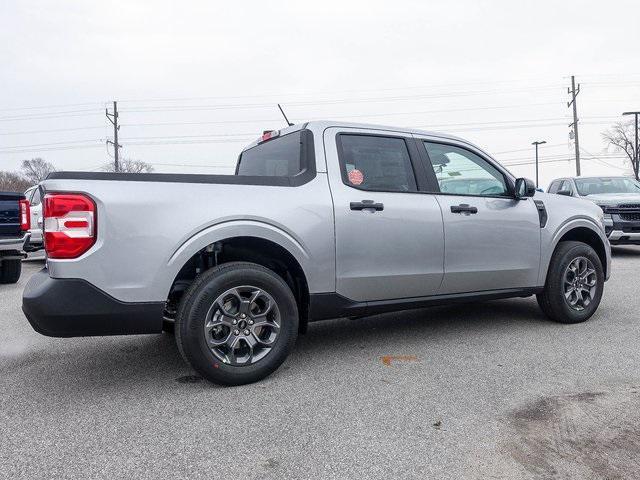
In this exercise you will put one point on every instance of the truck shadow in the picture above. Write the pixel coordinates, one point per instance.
(434, 324)
(140, 363)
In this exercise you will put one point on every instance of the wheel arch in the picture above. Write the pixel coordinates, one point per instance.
(264, 246)
(581, 231)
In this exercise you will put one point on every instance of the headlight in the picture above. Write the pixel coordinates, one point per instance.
(605, 212)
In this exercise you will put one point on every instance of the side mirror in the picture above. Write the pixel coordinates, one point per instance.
(566, 193)
(525, 188)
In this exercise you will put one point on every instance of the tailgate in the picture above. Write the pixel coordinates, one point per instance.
(10, 215)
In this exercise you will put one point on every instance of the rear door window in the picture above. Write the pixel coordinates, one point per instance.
(280, 157)
(376, 163)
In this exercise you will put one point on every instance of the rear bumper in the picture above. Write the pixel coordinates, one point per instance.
(70, 307)
(14, 244)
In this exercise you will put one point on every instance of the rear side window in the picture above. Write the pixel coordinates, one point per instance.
(377, 163)
(280, 157)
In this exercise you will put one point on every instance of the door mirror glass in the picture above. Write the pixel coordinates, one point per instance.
(566, 193)
(525, 188)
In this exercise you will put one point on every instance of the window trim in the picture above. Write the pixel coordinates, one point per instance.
(414, 161)
(307, 163)
(435, 186)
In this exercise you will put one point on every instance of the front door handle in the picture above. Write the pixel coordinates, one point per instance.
(464, 208)
(366, 204)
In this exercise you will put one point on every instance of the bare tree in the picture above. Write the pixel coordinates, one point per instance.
(130, 166)
(13, 182)
(36, 169)
(622, 138)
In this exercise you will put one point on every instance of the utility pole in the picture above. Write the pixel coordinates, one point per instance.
(113, 118)
(574, 93)
(635, 147)
(536, 143)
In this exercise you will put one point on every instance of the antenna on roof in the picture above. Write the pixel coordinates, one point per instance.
(285, 116)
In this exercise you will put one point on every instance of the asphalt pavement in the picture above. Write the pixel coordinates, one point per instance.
(487, 390)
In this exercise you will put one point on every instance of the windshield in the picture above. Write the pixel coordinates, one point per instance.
(596, 186)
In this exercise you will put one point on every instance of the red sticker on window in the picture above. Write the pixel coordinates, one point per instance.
(356, 177)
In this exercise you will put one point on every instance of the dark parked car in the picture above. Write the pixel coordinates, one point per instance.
(14, 234)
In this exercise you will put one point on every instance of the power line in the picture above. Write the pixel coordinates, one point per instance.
(54, 130)
(192, 142)
(334, 92)
(61, 115)
(35, 150)
(529, 149)
(49, 144)
(594, 157)
(44, 107)
(174, 108)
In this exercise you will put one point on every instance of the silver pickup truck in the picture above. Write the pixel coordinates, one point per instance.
(321, 220)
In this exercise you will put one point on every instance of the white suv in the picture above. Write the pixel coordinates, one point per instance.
(35, 241)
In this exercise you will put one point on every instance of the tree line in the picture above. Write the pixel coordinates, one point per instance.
(35, 170)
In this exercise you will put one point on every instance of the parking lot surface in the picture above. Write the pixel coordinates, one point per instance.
(490, 390)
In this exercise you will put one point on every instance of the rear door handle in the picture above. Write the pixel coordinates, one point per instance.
(464, 208)
(366, 204)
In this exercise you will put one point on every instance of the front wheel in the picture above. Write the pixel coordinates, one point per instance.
(575, 282)
(237, 323)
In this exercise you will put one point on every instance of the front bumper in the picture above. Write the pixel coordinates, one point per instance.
(71, 307)
(622, 232)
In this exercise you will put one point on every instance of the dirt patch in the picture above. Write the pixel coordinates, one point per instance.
(591, 435)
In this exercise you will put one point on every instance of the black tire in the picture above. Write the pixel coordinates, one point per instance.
(199, 298)
(10, 271)
(168, 326)
(552, 300)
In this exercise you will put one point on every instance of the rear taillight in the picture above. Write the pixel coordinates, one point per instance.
(268, 135)
(69, 224)
(25, 215)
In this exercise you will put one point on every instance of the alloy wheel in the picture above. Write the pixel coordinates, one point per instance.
(580, 283)
(242, 325)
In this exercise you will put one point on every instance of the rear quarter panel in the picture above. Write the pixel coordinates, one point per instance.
(146, 231)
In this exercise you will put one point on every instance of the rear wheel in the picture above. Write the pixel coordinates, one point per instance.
(10, 271)
(575, 282)
(237, 323)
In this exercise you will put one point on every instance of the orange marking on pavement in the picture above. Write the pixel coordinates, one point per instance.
(386, 359)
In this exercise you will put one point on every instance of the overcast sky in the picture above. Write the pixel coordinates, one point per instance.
(195, 81)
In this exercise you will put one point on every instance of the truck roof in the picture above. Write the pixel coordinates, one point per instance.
(323, 124)
(595, 177)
